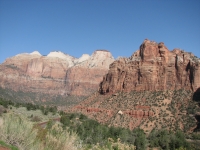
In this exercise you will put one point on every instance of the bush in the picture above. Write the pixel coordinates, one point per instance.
(168, 140)
(35, 119)
(18, 132)
(112, 145)
(8, 146)
(59, 139)
(2, 109)
(140, 141)
(196, 136)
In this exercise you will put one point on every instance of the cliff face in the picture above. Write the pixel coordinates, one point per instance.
(154, 88)
(34, 73)
(55, 74)
(153, 68)
(84, 77)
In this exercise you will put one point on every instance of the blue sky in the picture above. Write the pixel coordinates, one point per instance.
(82, 26)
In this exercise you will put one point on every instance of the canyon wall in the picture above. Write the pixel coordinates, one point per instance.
(55, 74)
(153, 68)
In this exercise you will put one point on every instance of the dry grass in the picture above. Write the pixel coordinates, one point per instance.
(16, 130)
(111, 145)
(22, 111)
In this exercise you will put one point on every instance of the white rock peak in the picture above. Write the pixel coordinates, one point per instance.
(102, 54)
(99, 59)
(83, 58)
(61, 55)
(35, 53)
(57, 54)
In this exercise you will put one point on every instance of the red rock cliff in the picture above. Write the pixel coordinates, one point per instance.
(84, 77)
(57, 73)
(153, 67)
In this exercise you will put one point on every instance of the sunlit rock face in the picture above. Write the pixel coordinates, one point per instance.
(57, 73)
(83, 78)
(153, 67)
(148, 86)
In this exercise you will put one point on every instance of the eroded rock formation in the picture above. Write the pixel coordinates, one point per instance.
(57, 73)
(154, 88)
(83, 78)
(153, 68)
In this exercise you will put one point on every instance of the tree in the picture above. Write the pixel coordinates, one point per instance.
(140, 141)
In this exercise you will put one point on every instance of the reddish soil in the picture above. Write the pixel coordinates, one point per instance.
(4, 148)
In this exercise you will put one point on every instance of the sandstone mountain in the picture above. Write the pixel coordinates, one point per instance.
(153, 68)
(56, 74)
(84, 77)
(154, 88)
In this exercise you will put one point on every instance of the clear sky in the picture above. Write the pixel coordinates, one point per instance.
(82, 26)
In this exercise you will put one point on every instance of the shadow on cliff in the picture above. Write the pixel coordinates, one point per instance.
(196, 97)
(197, 117)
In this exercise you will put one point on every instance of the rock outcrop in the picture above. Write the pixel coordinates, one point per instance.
(154, 88)
(153, 68)
(83, 78)
(56, 74)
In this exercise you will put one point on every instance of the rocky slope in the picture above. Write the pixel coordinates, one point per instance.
(154, 88)
(172, 110)
(56, 74)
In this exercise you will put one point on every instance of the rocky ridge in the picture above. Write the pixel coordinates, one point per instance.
(55, 74)
(84, 77)
(153, 68)
(154, 88)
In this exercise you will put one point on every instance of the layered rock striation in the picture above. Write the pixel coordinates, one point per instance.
(153, 68)
(83, 78)
(154, 88)
(56, 74)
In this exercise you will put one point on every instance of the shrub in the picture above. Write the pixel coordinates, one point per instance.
(18, 132)
(35, 119)
(8, 146)
(168, 140)
(2, 109)
(59, 139)
(195, 136)
(112, 145)
(140, 141)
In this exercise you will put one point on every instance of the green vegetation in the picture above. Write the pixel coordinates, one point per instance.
(40, 98)
(5, 103)
(8, 146)
(20, 128)
(195, 136)
(31, 108)
(19, 132)
(168, 140)
(91, 132)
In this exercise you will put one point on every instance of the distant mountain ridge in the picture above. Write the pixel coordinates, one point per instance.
(55, 74)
